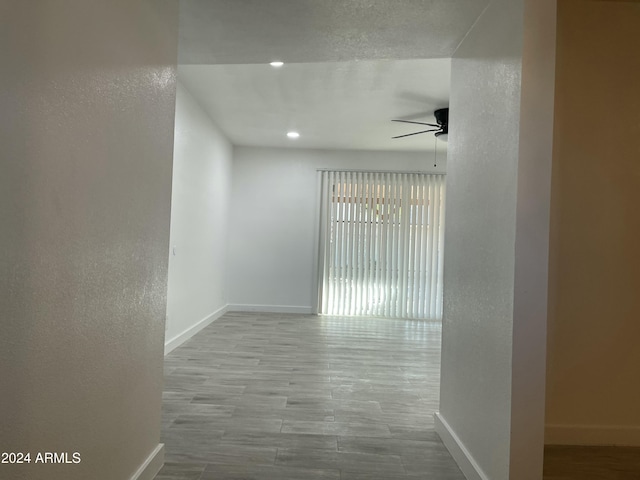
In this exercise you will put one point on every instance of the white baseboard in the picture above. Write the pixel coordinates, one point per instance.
(627, 436)
(458, 451)
(191, 331)
(152, 465)
(270, 308)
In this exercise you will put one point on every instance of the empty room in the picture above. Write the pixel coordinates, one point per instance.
(320, 239)
(305, 292)
(307, 252)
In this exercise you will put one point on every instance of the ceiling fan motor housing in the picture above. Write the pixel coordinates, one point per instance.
(442, 119)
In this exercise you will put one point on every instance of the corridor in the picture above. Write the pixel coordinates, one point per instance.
(282, 397)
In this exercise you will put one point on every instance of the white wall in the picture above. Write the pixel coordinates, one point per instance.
(199, 221)
(273, 219)
(479, 260)
(87, 94)
(493, 346)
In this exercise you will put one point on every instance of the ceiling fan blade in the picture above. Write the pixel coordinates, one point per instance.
(417, 123)
(417, 133)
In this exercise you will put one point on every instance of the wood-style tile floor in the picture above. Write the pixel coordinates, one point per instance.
(591, 463)
(284, 397)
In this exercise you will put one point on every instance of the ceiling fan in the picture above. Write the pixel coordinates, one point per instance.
(442, 125)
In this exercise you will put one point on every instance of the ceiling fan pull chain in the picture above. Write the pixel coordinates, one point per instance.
(435, 151)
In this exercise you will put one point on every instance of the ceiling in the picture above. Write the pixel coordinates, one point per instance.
(302, 31)
(351, 66)
(339, 105)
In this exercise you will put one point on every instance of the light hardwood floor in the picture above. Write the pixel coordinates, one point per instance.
(270, 396)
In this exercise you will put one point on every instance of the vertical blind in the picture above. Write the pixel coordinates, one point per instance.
(381, 238)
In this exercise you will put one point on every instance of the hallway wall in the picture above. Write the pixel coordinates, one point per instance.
(593, 391)
(87, 94)
(272, 229)
(499, 169)
(480, 238)
(197, 292)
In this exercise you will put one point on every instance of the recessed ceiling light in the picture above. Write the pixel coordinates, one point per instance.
(293, 134)
(276, 64)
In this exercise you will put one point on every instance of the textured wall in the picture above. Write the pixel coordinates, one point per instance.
(479, 261)
(199, 217)
(87, 94)
(496, 240)
(274, 213)
(593, 389)
(531, 281)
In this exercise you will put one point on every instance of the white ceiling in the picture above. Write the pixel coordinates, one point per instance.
(346, 105)
(303, 31)
(351, 66)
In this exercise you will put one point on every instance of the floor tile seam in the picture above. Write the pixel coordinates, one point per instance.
(203, 470)
(404, 466)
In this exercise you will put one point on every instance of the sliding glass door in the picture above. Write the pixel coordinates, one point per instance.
(381, 240)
